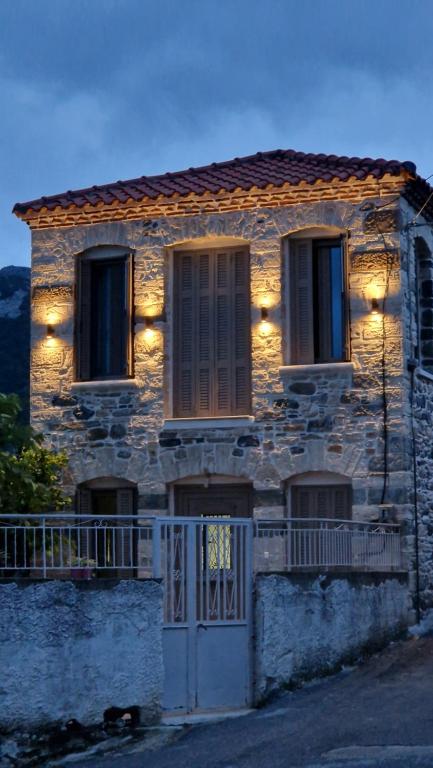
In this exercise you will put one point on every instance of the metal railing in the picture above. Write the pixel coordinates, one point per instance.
(305, 543)
(81, 547)
(76, 546)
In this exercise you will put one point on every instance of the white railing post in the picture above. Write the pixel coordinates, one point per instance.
(44, 550)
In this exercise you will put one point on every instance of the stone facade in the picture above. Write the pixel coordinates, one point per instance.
(323, 418)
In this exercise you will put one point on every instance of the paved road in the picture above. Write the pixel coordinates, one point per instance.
(379, 715)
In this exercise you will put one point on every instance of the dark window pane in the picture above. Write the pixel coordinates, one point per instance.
(328, 301)
(336, 272)
(108, 318)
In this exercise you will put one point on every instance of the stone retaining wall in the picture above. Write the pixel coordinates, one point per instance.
(73, 649)
(307, 625)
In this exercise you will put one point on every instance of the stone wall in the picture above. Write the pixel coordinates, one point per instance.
(327, 419)
(73, 649)
(308, 625)
(417, 293)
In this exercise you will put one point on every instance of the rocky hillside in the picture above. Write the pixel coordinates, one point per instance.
(15, 332)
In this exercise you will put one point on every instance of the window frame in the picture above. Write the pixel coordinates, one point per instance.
(104, 254)
(316, 236)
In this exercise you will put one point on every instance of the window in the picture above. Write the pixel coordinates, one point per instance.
(317, 312)
(314, 543)
(104, 315)
(108, 543)
(211, 367)
(424, 276)
(322, 501)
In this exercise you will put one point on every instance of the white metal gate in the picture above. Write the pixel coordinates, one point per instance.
(206, 569)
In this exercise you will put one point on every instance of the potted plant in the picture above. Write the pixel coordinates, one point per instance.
(82, 568)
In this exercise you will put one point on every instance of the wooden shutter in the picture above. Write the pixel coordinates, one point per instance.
(183, 332)
(212, 375)
(326, 501)
(83, 320)
(301, 332)
(129, 314)
(203, 340)
(242, 334)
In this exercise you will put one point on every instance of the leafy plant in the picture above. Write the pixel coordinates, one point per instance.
(30, 474)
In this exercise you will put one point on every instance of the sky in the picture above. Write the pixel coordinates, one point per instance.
(92, 91)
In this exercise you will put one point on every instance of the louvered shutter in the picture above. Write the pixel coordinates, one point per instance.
(224, 336)
(203, 353)
(126, 544)
(232, 334)
(242, 334)
(83, 320)
(184, 333)
(212, 374)
(129, 315)
(301, 332)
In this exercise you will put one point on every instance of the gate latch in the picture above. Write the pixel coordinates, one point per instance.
(201, 626)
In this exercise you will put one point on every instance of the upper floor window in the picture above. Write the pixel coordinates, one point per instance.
(424, 277)
(104, 314)
(211, 328)
(317, 306)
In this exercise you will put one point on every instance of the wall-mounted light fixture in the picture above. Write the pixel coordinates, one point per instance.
(50, 331)
(375, 306)
(264, 314)
(149, 320)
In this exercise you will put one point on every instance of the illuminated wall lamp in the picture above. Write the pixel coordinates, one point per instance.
(50, 331)
(375, 306)
(264, 314)
(150, 320)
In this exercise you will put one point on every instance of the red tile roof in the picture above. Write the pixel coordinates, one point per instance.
(261, 170)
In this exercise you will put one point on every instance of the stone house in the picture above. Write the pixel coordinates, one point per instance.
(249, 338)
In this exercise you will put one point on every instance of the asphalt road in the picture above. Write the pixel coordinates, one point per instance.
(378, 715)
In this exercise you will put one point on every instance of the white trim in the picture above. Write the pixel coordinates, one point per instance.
(422, 373)
(212, 422)
(312, 368)
(104, 384)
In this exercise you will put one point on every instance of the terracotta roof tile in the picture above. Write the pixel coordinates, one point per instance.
(261, 170)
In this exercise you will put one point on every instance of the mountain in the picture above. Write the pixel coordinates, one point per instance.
(15, 333)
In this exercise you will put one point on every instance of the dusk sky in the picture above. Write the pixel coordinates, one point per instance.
(98, 90)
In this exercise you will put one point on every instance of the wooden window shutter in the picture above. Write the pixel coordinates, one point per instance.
(301, 330)
(224, 332)
(184, 333)
(232, 333)
(242, 334)
(129, 314)
(212, 375)
(83, 320)
(203, 351)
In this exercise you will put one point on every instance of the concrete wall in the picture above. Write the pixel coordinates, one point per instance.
(74, 649)
(306, 625)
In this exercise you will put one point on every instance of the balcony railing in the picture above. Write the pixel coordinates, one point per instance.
(81, 547)
(320, 544)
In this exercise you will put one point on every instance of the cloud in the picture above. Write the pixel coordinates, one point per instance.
(92, 92)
